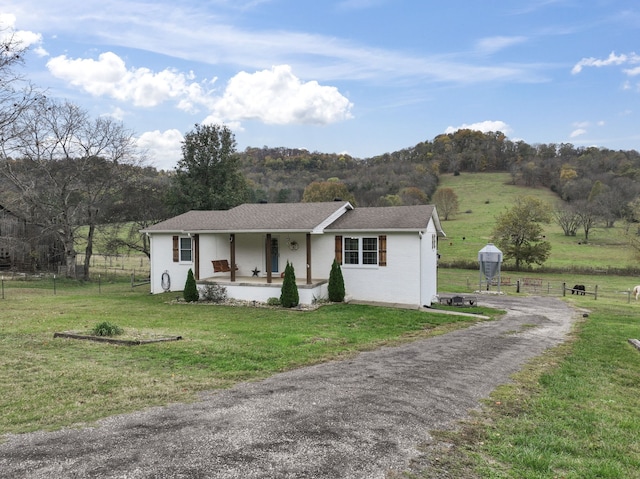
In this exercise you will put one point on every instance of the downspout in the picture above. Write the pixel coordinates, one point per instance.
(151, 267)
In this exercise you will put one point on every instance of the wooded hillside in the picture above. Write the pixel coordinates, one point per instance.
(411, 175)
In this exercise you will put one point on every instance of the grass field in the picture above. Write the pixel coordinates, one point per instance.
(483, 196)
(571, 413)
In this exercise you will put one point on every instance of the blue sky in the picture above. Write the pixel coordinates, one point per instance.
(363, 77)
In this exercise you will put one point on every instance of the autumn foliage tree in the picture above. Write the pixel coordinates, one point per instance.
(327, 191)
(446, 202)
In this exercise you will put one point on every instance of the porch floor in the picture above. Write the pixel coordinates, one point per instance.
(225, 280)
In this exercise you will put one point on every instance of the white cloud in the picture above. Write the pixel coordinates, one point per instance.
(117, 113)
(40, 51)
(212, 39)
(580, 127)
(109, 76)
(632, 71)
(277, 96)
(612, 59)
(483, 126)
(493, 44)
(273, 96)
(577, 132)
(163, 149)
(23, 38)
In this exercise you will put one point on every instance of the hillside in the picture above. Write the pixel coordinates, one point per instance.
(411, 175)
(483, 196)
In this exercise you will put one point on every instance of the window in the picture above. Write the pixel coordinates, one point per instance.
(361, 251)
(369, 250)
(351, 253)
(182, 249)
(185, 249)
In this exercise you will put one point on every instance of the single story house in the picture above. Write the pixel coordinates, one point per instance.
(387, 254)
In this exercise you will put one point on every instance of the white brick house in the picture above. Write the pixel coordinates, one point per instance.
(386, 254)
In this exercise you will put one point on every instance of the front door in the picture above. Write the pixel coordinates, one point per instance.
(274, 255)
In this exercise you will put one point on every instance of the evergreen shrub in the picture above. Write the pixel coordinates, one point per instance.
(336, 284)
(289, 292)
(190, 292)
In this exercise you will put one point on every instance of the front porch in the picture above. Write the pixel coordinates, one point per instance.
(253, 288)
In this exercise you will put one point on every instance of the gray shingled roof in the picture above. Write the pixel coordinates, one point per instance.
(300, 217)
(254, 218)
(386, 218)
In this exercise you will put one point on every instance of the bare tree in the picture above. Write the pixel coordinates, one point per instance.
(16, 93)
(566, 216)
(141, 205)
(588, 214)
(66, 168)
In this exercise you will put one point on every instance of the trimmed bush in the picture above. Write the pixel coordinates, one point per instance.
(106, 328)
(336, 284)
(214, 293)
(190, 292)
(289, 292)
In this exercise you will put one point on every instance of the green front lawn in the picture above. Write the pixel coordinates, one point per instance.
(49, 383)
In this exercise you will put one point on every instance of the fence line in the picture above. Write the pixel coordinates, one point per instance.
(542, 287)
(19, 284)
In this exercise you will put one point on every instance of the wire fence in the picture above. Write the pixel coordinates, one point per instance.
(126, 274)
(540, 286)
(17, 284)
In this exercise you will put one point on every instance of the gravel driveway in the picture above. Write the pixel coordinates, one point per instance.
(358, 418)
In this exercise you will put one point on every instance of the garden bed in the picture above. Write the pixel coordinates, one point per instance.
(112, 340)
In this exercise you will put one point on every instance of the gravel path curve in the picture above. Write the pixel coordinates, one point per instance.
(358, 418)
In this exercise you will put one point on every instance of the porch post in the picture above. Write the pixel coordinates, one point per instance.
(232, 255)
(309, 258)
(267, 253)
